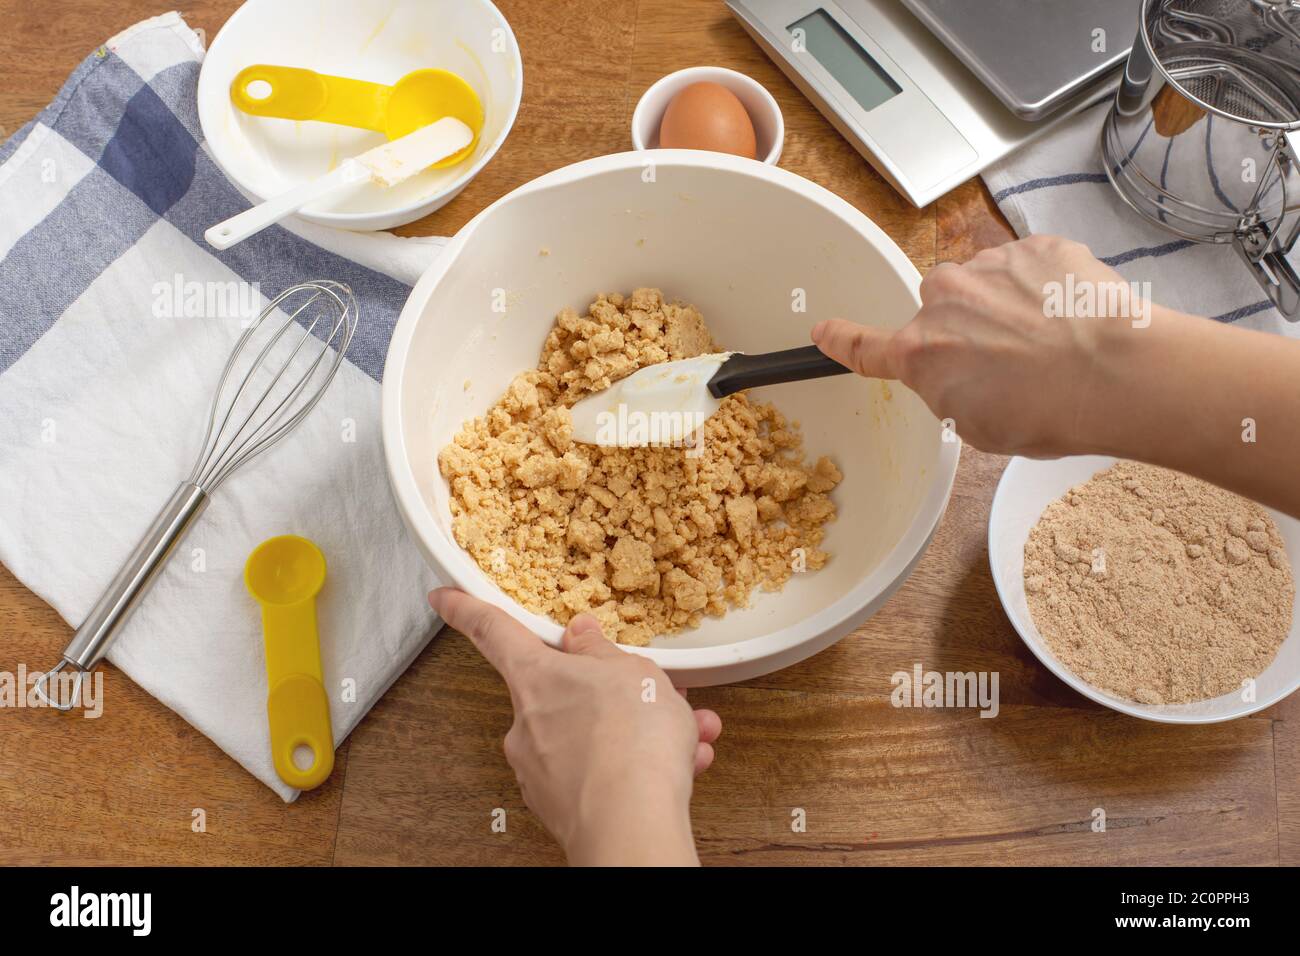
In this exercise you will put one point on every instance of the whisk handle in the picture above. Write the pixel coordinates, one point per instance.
(133, 580)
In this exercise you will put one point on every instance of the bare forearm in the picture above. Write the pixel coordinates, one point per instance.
(630, 825)
(1213, 401)
(663, 844)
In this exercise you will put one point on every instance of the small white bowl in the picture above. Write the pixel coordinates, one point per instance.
(769, 124)
(377, 40)
(1026, 489)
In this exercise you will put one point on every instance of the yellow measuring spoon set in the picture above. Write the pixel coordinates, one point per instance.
(418, 99)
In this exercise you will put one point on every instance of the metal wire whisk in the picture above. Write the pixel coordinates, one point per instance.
(272, 380)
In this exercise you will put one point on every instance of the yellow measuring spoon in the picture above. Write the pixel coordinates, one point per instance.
(284, 575)
(416, 100)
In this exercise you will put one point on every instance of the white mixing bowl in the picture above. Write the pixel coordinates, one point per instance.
(744, 242)
(376, 40)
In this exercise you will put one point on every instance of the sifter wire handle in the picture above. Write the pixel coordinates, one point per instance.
(1266, 247)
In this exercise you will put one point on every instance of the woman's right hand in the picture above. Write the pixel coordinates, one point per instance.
(985, 355)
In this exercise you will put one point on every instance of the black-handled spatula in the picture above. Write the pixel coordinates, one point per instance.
(664, 404)
(741, 371)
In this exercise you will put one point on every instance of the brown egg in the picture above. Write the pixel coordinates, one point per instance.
(708, 116)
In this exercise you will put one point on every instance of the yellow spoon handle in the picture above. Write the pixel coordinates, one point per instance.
(297, 708)
(299, 94)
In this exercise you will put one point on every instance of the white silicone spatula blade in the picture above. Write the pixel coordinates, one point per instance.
(658, 405)
(386, 165)
(674, 399)
(401, 159)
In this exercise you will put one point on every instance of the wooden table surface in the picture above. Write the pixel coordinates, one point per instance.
(419, 779)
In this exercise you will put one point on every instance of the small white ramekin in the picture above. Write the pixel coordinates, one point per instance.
(769, 124)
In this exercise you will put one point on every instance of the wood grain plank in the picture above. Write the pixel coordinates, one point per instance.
(880, 785)
(576, 68)
(1285, 720)
(968, 221)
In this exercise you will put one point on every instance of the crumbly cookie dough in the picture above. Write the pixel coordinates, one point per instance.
(1158, 587)
(649, 540)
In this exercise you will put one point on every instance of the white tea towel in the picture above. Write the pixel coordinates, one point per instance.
(115, 323)
(1057, 185)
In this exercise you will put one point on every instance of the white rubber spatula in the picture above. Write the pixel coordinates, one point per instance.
(385, 165)
(664, 404)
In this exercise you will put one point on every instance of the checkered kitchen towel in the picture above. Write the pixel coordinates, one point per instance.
(1057, 185)
(108, 357)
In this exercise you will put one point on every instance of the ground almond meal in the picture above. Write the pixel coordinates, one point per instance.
(1157, 587)
(649, 540)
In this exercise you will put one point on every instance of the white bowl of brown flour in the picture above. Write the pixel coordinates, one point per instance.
(1146, 590)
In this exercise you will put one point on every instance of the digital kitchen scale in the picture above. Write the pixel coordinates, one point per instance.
(931, 98)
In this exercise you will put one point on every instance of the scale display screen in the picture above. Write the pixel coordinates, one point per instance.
(885, 75)
(845, 60)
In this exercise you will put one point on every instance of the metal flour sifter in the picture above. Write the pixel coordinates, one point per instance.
(1201, 137)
